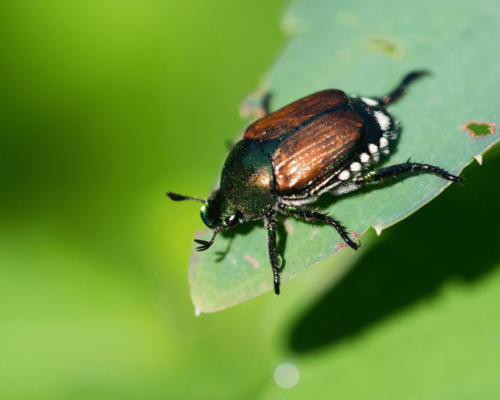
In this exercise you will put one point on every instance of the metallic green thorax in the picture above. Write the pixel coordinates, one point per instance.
(247, 186)
(247, 179)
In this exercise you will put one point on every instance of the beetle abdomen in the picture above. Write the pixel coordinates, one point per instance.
(318, 151)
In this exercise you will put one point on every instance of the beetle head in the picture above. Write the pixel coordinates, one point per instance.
(215, 212)
(218, 213)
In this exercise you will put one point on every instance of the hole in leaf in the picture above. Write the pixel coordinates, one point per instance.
(479, 128)
(389, 47)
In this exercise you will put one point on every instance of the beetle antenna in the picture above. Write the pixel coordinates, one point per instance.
(179, 197)
(206, 245)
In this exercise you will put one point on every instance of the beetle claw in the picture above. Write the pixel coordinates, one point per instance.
(204, 245)
(276, 282)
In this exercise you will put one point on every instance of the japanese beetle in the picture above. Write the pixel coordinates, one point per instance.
(325, 142)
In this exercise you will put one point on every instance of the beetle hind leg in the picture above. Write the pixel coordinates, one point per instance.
(266, 103)
(399, 169)
(311, 216)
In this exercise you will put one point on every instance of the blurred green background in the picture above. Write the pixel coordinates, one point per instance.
(104, 105)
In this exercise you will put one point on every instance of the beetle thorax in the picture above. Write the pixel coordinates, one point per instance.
(247, 180)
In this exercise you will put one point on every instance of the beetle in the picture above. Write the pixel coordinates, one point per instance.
(325, 142)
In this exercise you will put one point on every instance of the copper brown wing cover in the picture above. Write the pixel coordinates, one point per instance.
(284, 120)
(318, 150)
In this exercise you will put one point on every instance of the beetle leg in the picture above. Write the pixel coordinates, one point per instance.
(403, 86)
(266, 99)
(272, 249)
(311, 216)
(394, 170)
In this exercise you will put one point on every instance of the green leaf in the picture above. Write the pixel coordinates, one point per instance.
(366, 50)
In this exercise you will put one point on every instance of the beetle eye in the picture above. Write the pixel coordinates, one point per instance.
(231, 221)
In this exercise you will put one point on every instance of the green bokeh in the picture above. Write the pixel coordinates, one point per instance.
(103, 107)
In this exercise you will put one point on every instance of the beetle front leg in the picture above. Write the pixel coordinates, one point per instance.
(272, 249)
(311, 216)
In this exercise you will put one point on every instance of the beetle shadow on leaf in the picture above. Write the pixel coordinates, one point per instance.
(222, 254)
(410, 263)
(245, 229)
(282, 239)
(240, 229)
